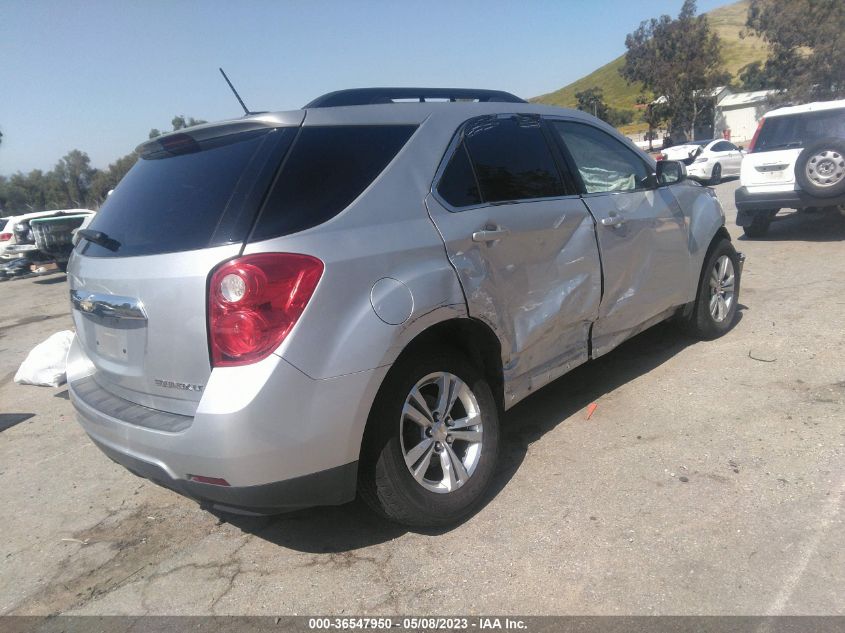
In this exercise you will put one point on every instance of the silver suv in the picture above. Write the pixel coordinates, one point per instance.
(278, 311)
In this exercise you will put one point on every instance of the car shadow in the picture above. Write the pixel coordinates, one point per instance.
(353, 526)
(821, 226)
(54, 278)
(8, 420)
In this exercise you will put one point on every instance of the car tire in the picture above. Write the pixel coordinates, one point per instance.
(717, 298)
(759, 224)
(62, 266)
(715, 175)
(401, 436)
(820, 168)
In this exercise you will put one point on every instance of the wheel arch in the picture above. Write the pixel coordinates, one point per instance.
(473, 338)
(469, 336)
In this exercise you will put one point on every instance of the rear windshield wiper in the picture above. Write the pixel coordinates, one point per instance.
(99, 238)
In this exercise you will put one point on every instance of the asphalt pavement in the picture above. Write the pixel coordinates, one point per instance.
(709, 480)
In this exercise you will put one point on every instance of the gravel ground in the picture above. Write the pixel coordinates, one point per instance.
(709, 480)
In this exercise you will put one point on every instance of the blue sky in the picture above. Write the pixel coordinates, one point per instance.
(96, 76)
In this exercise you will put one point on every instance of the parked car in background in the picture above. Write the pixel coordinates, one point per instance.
(276, 311)
(796, 160)
(6, 233)
(19, 240)
(684, 152)
(53, 235)
(707, 161)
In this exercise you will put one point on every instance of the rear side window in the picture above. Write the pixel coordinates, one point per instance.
(512, 159)
(457, 185)
(326, 169)
(800, 130)
(189, 194)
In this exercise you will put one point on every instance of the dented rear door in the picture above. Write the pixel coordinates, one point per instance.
(529, 267)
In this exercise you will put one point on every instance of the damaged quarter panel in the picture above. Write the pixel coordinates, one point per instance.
(386, 273)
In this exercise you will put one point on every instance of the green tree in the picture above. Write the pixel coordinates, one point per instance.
(619, 117)
(74, 174)
(179, 122)
(677, 58)
(592, 100)
(755, 76)
(27, 192)
(806, 46)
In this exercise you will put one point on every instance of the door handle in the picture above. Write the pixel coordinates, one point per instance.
(489, 235)
(613, 220)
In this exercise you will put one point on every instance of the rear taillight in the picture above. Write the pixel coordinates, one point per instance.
(253, 303)
(756, 135)
(5, 237)
(661, 157)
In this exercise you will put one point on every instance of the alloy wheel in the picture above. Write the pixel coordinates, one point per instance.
(441, 432)
(722, 288)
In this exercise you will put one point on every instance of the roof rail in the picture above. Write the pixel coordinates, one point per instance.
(369, 96)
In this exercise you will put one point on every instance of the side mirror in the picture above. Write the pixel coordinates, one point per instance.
(670, 172)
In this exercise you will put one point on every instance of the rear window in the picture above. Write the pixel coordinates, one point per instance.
(800, 130)
(326, 169)
(190, 195)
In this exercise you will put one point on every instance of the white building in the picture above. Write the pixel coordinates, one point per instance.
(737, 114)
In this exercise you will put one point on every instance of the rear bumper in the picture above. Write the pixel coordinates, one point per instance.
(749, 201)
(281, 439)
(333, 486)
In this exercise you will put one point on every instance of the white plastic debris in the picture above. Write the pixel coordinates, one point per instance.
(46, 364)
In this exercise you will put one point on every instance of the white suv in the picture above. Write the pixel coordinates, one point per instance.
(796, 160)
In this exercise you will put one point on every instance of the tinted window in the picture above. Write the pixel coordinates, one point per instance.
(194, 195)
(457, 184)
(512, 159)
(604, 163)
(800, 130)
(326, 169)
(722, 146)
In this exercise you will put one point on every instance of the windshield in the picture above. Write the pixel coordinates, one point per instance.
(799, 130)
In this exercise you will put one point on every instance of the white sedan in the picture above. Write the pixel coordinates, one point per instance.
(708, 161)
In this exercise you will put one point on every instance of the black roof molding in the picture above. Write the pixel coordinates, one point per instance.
(369, 96)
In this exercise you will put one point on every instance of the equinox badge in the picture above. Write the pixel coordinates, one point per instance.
(184, 386)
